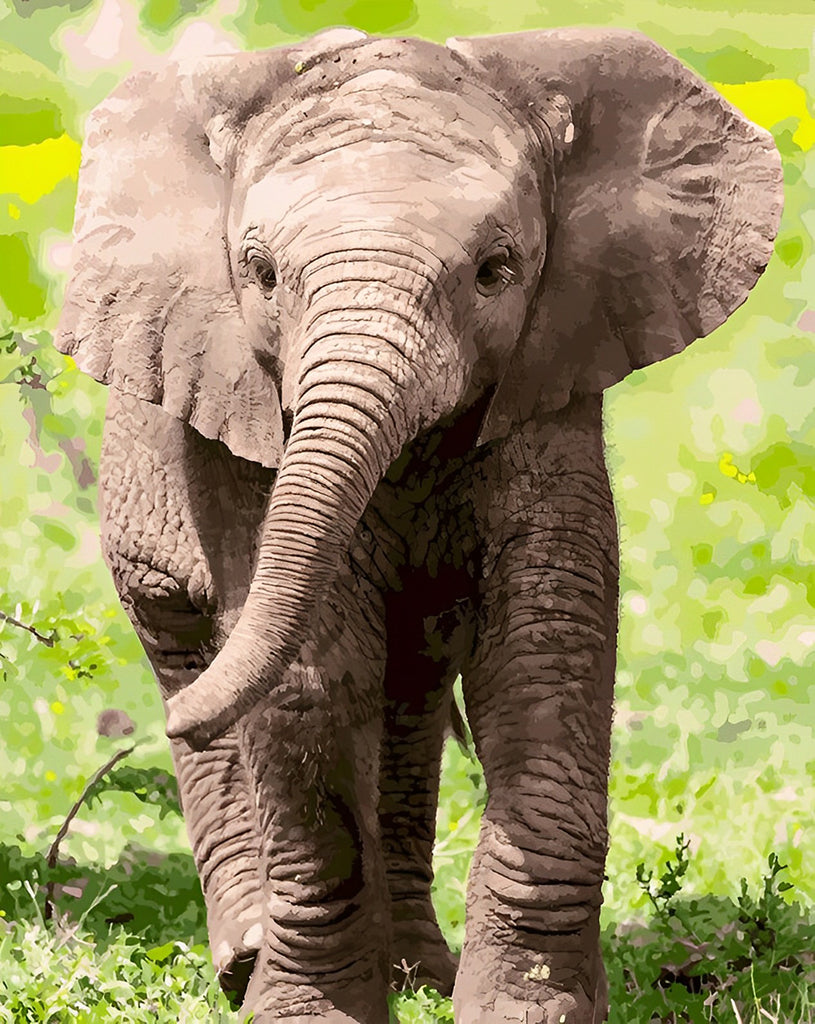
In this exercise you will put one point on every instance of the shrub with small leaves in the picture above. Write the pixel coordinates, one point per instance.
(60, 976)
(424, 1006)
(711, 958)
(155, 786)
(669, 884)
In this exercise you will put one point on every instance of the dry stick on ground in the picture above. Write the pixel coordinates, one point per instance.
(53, 852)
(47, 640)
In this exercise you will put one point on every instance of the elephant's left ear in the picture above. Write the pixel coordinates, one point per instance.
(666, 205)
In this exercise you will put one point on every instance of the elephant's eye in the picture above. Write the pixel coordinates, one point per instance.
(264, 273)
(495, 273)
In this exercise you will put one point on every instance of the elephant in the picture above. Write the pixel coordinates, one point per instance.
(357, 301)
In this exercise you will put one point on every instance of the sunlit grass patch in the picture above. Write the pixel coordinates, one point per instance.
(748, 959)
(64, 973)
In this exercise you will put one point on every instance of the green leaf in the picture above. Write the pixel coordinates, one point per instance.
(22, 285)
(161, 953)
(55, 533)
(24, 122)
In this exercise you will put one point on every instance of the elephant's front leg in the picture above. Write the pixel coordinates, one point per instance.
(313, 757)
(221, 826)
(539, 696)
(213, 785)
(219, 813)
(179, 517)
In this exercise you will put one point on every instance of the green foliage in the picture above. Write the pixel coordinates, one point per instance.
(25, 122)
(662, 892)
(697, 959)
(156, 895)
(422, 1006)
(785, 471)
(732, 64)
(163, 15)
(712, 958)
(462, 798)
(70, 975)
(22, 286)
(302, 17)
(154, 786)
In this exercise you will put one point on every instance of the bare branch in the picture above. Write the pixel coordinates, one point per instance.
(53, 852)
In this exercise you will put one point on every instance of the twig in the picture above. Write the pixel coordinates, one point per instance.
(53, 852)
(47, 640)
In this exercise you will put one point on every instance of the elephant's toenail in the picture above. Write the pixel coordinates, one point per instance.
(222, 955)
(253, 936)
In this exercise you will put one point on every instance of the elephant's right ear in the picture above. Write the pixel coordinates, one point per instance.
(151, 306)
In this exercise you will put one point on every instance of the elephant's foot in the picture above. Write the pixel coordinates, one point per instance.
(372, 1015)
(235, 946)
(323, 1017)
(271, 1000)
(539, 1004)
(561, 1008)
(420, 956)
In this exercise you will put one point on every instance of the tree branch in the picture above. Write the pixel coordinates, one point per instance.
(47, 640)
(53, 852)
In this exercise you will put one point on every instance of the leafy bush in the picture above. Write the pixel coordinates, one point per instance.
(424, 1006)
(696, 959)
(60, 976)
(712, 958)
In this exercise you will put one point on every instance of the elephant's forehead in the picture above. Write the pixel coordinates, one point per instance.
(392, 187)
(384, 104)
(384, 150)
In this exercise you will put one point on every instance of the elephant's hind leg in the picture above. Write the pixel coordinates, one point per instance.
(418, 695)
(409, 792)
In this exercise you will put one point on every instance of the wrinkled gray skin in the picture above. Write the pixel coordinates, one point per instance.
(357, 302)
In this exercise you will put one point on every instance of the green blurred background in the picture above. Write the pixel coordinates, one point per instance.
(712, 455)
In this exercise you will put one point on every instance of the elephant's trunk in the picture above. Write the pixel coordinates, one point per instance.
(361, 398)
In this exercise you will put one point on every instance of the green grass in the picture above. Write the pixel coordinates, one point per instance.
(58, 975)
(696, 959)
(713, 958)
(703, 958)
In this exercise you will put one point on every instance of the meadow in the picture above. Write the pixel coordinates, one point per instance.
(711, 870)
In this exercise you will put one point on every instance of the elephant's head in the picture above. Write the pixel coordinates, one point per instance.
(368, 235)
